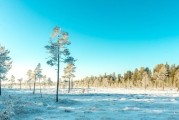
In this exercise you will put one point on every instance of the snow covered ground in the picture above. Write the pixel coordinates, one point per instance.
(94, 104)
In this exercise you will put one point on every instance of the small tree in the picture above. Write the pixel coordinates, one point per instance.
(5, 63)
(163, 75)
(68, 73)
(12, 81)
(37, 74)
(20, 82)
(44, 82)
(57, 47)
(176, 77)
(145, 80)
(30, 77)
(49, 82)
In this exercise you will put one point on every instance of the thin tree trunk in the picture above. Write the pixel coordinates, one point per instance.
(58, 74)
(40, 88)
(145, 83)
(177, 86)
(69, 85)
(30, 87)
(88, 84)
(20, 85)
(34, 85)
(128, 86)
(163, 85)
(172, 81)
(0, 85)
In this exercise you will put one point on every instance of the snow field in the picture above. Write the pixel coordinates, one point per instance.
(94, 104)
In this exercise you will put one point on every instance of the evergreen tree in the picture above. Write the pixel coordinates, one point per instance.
(30, 77)
(172, 75)
(176, 77)
(5, 63)
(58, 47)
(20, 82)
(12, 81)
(44, 82)
(49, 82)
(69, 73)
(37, 75)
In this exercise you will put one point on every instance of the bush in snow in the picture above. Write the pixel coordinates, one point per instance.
(8, 112)
(4, 115)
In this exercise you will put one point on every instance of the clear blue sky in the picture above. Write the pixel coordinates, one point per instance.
(106, 35)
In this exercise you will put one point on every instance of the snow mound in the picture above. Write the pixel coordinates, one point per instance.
(157, 111)
(142, 100)
(122, 99)
(131, 108)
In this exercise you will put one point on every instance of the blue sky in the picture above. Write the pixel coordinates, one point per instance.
(106, 35)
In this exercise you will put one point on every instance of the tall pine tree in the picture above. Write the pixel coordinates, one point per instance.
(5, 63)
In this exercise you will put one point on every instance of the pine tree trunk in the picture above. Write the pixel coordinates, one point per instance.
(58, 74)
(128, 86)
(88, 84)
(30, 87)
(20, 85)
(0, 85)
(40, 88)
(145, 83)
(172, 84)
(34, 85)
(69, 85)
(177, 85)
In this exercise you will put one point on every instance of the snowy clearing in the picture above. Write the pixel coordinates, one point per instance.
(95, 104)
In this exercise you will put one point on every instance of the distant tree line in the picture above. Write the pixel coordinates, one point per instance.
(31, 81)
(162, 76)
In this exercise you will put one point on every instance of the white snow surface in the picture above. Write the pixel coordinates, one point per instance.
(94, 104)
